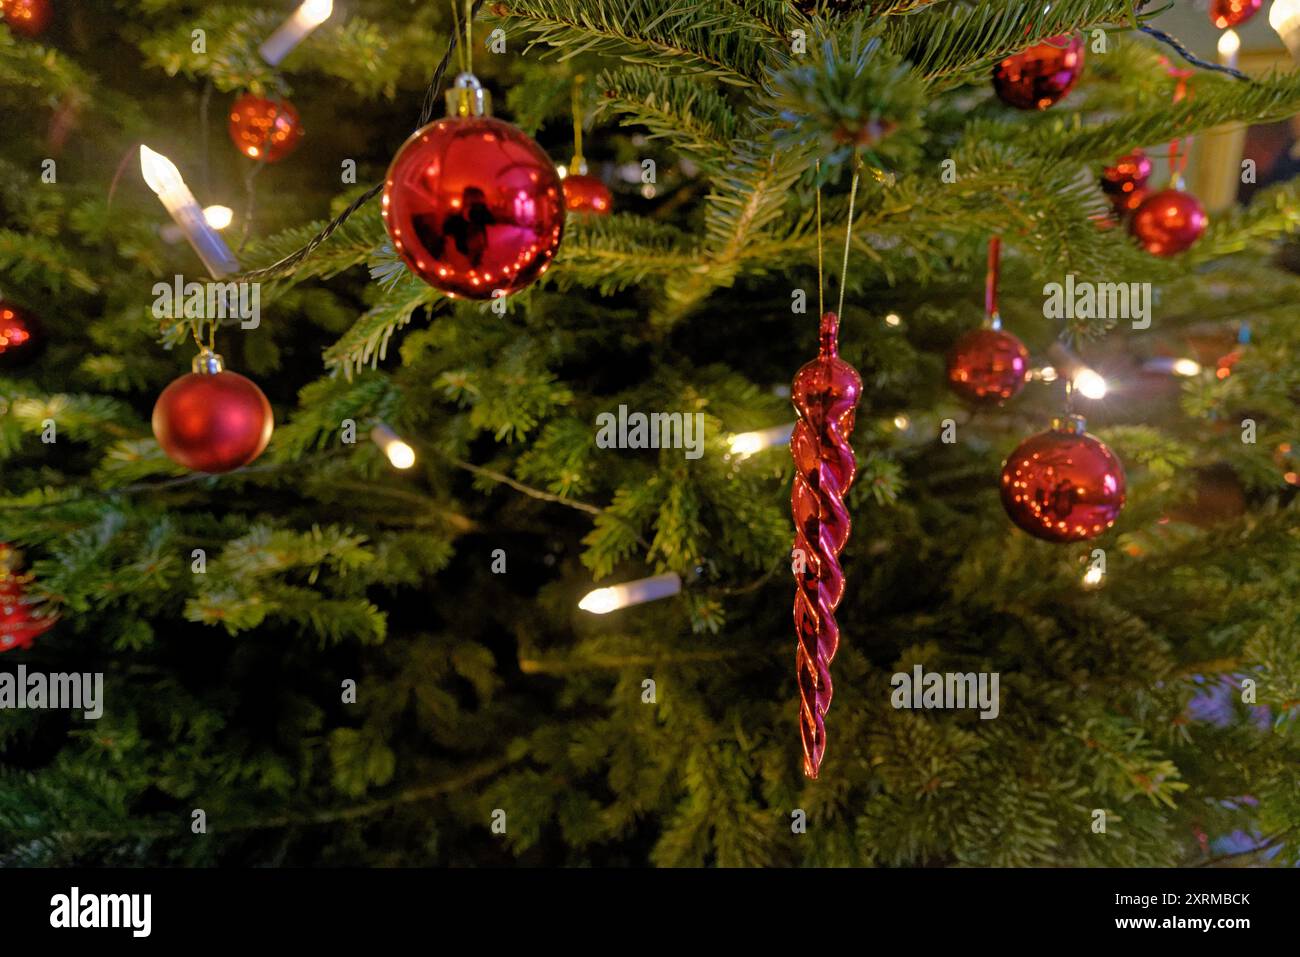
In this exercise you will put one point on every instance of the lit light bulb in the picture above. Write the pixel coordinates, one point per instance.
(160, 173)
(400, 455)
(218, 217)
(309, 15)
(1093, 576)
(1187, 367)
(602, 601)
(563, 171)
(316, 12)
(1089, 384)
(745, 444)
(1229, 45)
(1284, 17)
(1047, 373)
(901, 422)
(893, 319)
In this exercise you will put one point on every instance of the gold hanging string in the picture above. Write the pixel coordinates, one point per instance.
(821, 282)
(469, 37)
(578, 158)
(848, 235)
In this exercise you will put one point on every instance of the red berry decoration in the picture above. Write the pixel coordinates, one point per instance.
(28, 17)
(20, 336)
(1063, 485)
(1233, 13)
(1041, 75)
(212, 420)
(262, 129)
(474, 206)
(1168, 222)
(1125, 182)
(587, 194)
(988, 366)
(18, 626)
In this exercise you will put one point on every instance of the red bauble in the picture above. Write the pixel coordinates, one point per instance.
(1168, 222)
(1041, 75)
(474, 207)
(262, 129)
(1233, 13)
(17, 624)
(1063, 485)
(212, 420)
(1125, 182)
(28, 17)
(20, 336)
(988, 366)
(587, 194)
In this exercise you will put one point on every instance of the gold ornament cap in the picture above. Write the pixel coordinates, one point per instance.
(207, 362)
(466, 97)
(1073, 424)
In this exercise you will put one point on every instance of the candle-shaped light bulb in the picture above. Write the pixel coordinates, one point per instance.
(1284, 17)
(745, 444)
(1090, 384)
(400, 454)
(1229, 45)
(602, 601)
(162, 176)
(309, 15)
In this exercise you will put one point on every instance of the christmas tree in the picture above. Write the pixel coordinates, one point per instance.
(513, 580)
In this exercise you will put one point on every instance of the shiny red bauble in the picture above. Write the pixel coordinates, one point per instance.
(18, 625)
(1041, 75)
(587, 194)
(264, 130)
(474, 207)
(1125, 183)
(212, 420)
(1233, 13)
(987, 366)
(1063, 485)
(28, 17)
(20, 336)
(1168, 222)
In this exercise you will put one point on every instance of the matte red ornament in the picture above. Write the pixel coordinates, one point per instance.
(1233, 13)
(21, 336)
(584, 193)
(1063, 485)
(825, 394)
(27, 17)
(1125, 182)
(262, 129)
(1041, 75)
(1168, 222)
(988, 366)
(473, 205)
(212, 420)
(18, 625)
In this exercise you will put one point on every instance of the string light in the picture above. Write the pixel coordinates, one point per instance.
(893, 319)
(400, 455)
(745, 444)
(613, 597)
(309, 15)
(1089, 383)
(162, 176)
(1092, 578)
(1284, 17)
(1229, 45)
(218, 217)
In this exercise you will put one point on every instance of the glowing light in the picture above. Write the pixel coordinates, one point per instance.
(602, 601)
(1047, 373)
(901, 422)
(1090, 384)
(162, 176)
(562, 170)
(1229, 44)
(745, 444)
(1284, 17)
(893, 319)
(218, 217)
(400, 455)
(309, 15)
(1186, 367)
(160, 173)
(1093, 576)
